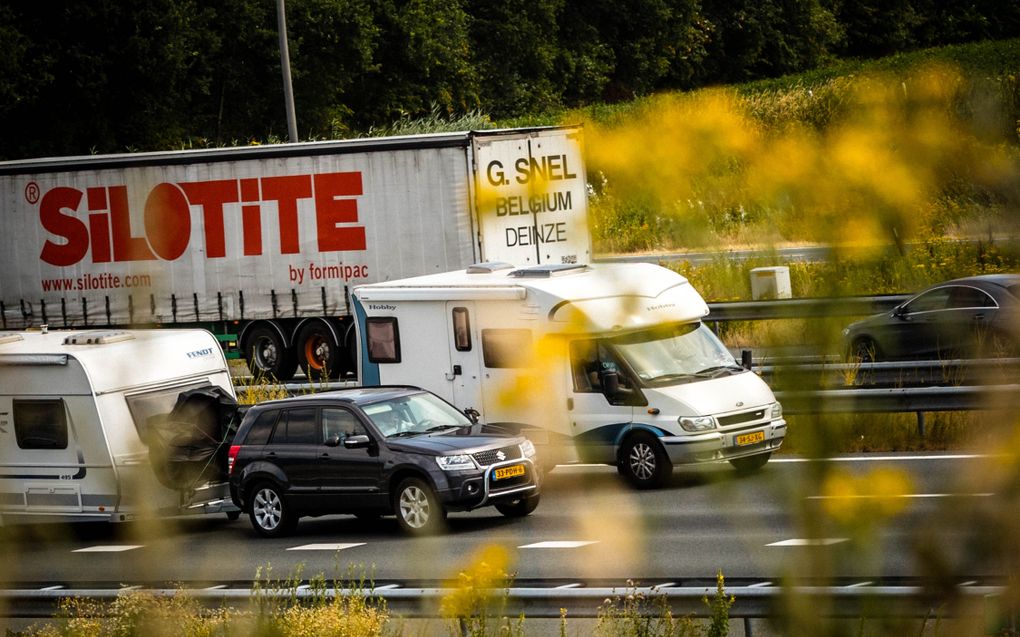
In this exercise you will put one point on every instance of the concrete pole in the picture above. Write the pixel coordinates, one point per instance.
(288, 90)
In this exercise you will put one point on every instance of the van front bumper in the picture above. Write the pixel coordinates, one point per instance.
(718, 445)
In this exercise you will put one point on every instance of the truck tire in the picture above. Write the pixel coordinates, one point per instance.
(349, 355)
(418, 510)
(643, 461)
(318, 352)
(268, 355)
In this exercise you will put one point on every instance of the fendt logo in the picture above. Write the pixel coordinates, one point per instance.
(168, 217)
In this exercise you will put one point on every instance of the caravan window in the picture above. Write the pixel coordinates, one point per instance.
(383, 340)
(506, 348)
(40, 424)
(461, 329)
(150, 409)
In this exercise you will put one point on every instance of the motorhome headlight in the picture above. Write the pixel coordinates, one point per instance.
(702, 423)
(459, 462)
(528, 448)
(777, 410)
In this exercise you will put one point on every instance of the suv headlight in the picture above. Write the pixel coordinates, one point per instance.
(528, 448)
(702, 423)
(460, 462)
(777, 410)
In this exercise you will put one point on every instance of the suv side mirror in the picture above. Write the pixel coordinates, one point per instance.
(472, 414)
(357, 442)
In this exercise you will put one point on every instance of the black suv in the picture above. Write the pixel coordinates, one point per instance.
(374, 451)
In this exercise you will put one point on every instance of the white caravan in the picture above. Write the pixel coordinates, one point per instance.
(75, 407)
(612, 358)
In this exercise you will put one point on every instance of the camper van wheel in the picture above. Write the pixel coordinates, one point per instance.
(267, 354)
(643, 461)
(519, 507)
(418, 510)
(318, 351)
(270, 514)
(750, 464)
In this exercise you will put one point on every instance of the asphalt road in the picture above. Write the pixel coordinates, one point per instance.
(589, 528)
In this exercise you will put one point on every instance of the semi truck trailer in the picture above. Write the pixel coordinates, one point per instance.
(262, 245)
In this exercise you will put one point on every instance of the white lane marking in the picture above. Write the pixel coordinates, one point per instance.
(859, 585)
(326, 547)
(573, 585)
(218, 587)
(761, 585)
(52, 588)
(556, 545)
(866, 496)
(386, 587)
(118, 548)
(130, 588)
(958, 456)
(969, 583)
(822, 541)
(663, 585)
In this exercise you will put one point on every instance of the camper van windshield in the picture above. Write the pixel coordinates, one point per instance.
(684, 352)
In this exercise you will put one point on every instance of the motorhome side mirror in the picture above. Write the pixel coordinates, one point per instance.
(611, 383)
(472, 415)
(357, 442)
(333, 441)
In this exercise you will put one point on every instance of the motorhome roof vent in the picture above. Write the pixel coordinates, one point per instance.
(489, 267)
(10, 337)
(98, 338)
(546, 271)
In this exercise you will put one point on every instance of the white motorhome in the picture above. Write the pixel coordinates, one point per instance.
(77, 411)
(614, 359)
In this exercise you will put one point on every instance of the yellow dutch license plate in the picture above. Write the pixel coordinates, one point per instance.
(509, 472)
(751, 438)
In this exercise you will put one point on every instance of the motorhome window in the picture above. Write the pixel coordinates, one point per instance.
(506, 348)
(383, 340)
(342, 423)
(296, 427)
(150, 409)
(40, 424)
(461, 329)
(262, 428)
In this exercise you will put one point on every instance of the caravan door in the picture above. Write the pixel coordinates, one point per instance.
(465, 366)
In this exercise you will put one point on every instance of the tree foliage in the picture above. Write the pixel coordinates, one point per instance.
(88, 76)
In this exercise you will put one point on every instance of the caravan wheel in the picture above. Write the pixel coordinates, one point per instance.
(270, 514)
(644, 462)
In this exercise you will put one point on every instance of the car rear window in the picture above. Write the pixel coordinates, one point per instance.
(296, 427)
(262, 428)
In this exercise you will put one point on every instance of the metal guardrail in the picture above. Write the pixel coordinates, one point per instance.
(803, 308)
(900, 399)
(545, 602)
(892, 373)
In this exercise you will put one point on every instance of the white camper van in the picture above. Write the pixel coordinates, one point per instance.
(614, 359)
(81, 413)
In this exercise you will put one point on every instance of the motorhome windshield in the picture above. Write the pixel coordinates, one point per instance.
(683, 352)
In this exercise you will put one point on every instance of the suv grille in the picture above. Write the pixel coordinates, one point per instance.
(491, 456)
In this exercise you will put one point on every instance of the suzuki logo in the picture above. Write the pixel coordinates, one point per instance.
(501, 455)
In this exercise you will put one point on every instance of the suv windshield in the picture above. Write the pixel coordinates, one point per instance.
(413, 415)
(683, 352)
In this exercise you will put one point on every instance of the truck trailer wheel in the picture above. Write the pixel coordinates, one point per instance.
(644, 462)
(318, 352)
(268, 355)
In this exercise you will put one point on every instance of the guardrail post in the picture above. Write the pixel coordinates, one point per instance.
(920, 424)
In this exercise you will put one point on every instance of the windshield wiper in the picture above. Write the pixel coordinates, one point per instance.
(405, 434)
(713, 372)
(669, 377)
(444, 427)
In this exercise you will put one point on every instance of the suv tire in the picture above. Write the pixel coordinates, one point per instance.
(270, 513)
(418, 510)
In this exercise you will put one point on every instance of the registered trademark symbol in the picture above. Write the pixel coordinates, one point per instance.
(32, 192)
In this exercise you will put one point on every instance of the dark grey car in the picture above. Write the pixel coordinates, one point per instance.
(371, 452)
(975, 316)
